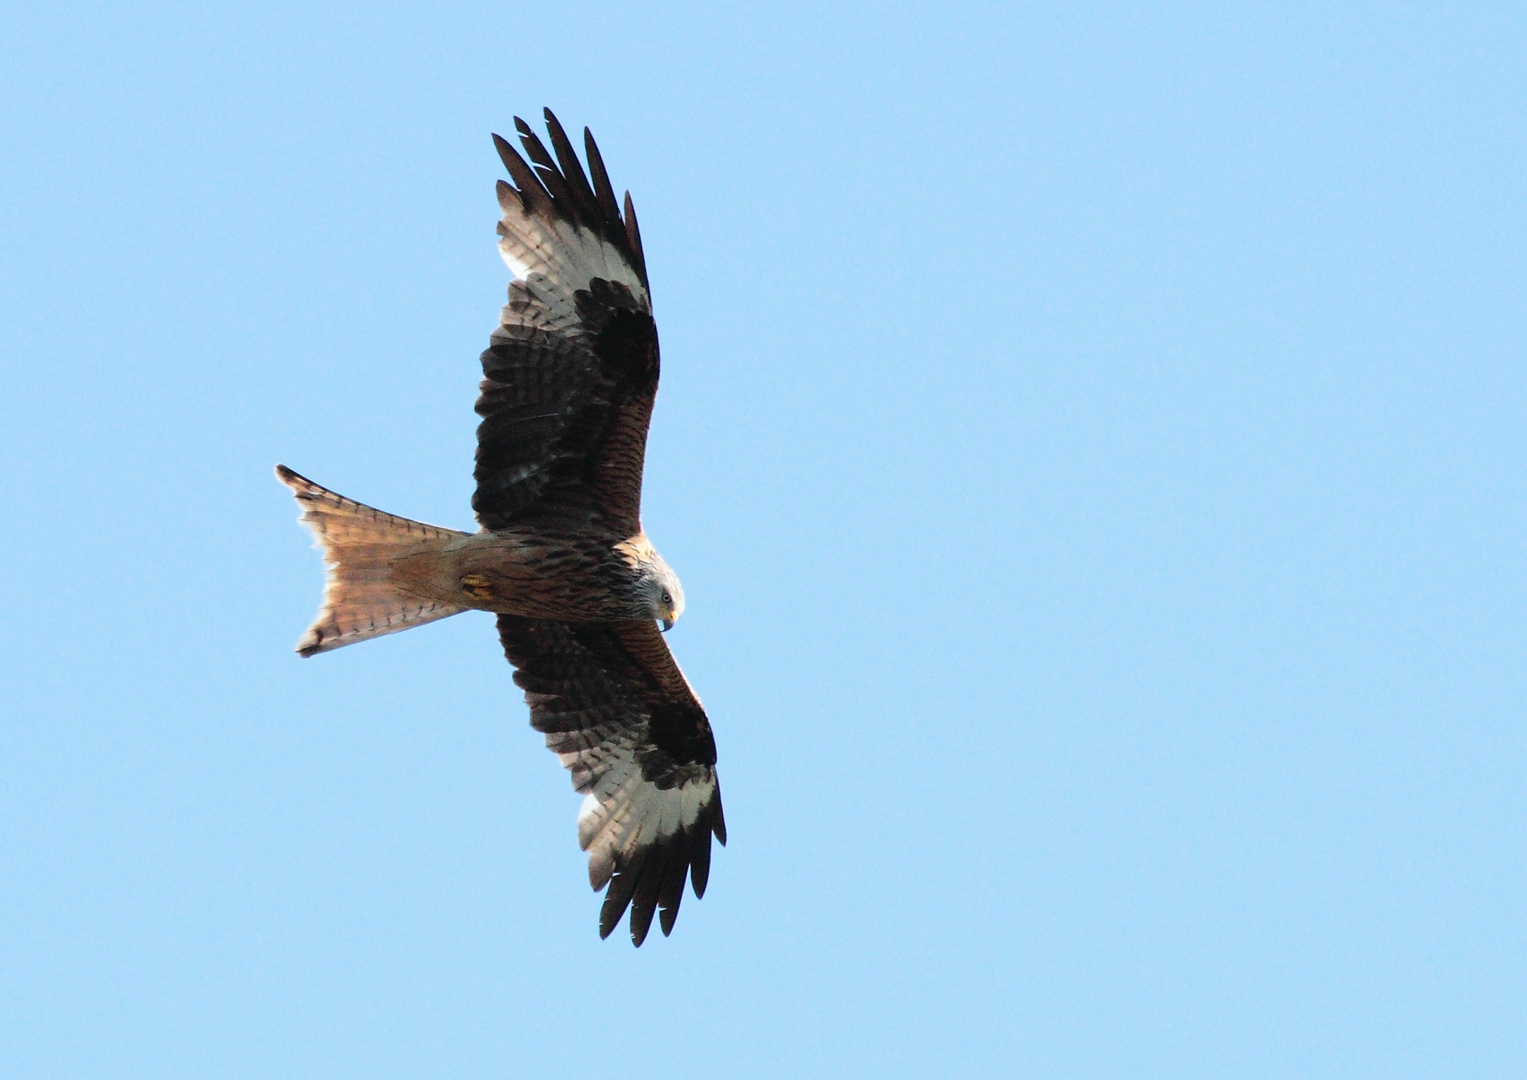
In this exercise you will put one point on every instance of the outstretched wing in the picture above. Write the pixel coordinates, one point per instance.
(570, 376)
(618, 712)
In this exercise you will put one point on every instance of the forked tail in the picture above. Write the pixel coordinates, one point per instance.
(378, 567)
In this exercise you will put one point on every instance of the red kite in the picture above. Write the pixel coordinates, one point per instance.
(568, 384)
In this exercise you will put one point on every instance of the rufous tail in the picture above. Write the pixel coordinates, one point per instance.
(377, 564)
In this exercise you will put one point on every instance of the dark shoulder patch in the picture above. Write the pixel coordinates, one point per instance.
(624, 336)
(681, 731)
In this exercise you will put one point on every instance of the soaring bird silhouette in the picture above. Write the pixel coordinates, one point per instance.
(568, 384)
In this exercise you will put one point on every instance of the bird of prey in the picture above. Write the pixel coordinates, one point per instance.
(568, 384)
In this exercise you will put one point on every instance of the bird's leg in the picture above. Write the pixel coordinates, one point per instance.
(477, 587)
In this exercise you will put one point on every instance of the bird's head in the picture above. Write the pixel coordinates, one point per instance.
(662, 591)
(657, 594)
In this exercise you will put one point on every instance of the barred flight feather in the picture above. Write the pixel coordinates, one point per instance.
(651, 802)
(572, 369)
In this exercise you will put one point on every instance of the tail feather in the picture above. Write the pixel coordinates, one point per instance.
(374, 563)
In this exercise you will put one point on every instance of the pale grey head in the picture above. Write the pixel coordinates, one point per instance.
(661, 594)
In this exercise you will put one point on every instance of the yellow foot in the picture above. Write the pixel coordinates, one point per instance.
(477, 586)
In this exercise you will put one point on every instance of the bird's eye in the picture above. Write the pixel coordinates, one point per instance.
(667, 599)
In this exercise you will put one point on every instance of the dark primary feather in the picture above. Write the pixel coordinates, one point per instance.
(533, 195)
(603, 191)
(583, 195)
(548, 173)
(634, 235)
(610, 699)
(565, 407)
(561, 189)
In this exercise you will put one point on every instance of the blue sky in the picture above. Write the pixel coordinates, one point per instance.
(1090, 438)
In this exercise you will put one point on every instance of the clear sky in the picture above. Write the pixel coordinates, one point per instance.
(1091, 439)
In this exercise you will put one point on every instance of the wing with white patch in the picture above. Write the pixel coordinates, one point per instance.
(622, 718)
(572, 370)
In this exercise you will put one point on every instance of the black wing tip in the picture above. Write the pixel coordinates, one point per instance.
(584, 199)
(654, 884)
(649, 885)
(616, 899)
(624, 885)
(718, 822)
(634, 238)
(533, 196)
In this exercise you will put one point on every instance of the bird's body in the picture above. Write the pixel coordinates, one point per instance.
(523, 572)
(569, 381)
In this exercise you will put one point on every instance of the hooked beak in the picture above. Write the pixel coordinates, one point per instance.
(667, 625)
